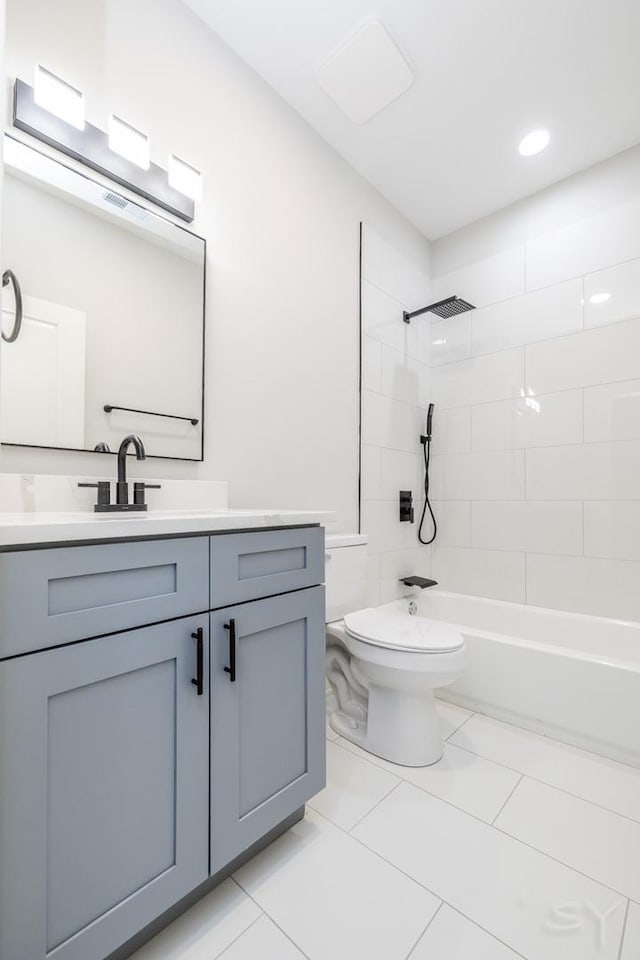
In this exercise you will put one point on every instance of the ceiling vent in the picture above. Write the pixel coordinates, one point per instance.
(366, 74)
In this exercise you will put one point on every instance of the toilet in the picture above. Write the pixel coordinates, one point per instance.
(384, 663)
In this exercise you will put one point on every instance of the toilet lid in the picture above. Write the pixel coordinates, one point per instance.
(395, 629)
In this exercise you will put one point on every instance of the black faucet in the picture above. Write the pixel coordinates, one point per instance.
(122, 487)
(421, 582)
(122, 504)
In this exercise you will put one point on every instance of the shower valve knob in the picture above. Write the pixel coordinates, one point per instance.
(406, 506)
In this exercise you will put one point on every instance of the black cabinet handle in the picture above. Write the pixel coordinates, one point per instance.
(231, 669)
(198, 680)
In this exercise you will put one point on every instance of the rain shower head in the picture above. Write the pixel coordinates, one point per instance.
(450, 307)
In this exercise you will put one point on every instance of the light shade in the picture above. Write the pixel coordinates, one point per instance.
(185, 178)
(129, 142)
(58, 97)
(534, 142)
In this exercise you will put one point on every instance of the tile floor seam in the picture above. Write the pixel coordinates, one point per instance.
(265, 913)
(445, 903)
(365, 846)
(504, 833)
(547, 736)
(552, 786)
(511, 793)
(429, 922)
(235, 939)
(492, 824)
(624, 929)
(375, 807)
(549, 856)
(466, 720)
(437, 896)
(410, 783)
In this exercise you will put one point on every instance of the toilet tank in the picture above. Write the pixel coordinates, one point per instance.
(345, 574)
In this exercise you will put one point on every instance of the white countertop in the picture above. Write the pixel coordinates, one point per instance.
(24, 529)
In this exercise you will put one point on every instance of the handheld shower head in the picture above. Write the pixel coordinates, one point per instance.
(425, 441)
(429, 420)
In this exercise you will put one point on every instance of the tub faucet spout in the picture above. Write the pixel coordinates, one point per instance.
(421, 582)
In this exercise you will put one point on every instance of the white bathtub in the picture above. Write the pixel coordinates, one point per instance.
(570, 676)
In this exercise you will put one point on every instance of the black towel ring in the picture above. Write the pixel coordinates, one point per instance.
(9, 277)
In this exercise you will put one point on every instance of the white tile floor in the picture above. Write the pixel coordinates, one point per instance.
(513, 846)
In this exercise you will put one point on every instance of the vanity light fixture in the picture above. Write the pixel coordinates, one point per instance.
(185, 178)
(130, 143)
(55, 116)
(600, 297)
(58, 97)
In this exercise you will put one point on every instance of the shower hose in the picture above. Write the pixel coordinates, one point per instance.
(426, 449)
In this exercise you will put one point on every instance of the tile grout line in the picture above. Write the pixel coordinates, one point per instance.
(416, 786)
(235, 939)
(543, 446)
(437, 896)
(435, 914)
(545, 736)
(504, 833)
(376, 805)
(562, 863)
(479, 820)
(533, 343)
(511, 793)
(553, 786)
(624, 929)
(543, 393)
(460, 726)
(265, 913)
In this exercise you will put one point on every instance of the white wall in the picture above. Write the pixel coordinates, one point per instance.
(395, 391)
(280, 214)
(537, 429)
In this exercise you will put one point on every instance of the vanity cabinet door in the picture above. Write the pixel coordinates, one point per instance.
(267, 718)
(104, 793)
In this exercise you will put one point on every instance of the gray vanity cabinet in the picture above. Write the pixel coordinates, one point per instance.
(144, 745)
(104, 812)
(267, 716)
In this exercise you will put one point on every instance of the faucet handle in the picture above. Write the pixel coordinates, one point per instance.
(104, 491)
(139, 488)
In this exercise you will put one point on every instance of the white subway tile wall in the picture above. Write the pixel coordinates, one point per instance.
(396, 387)
(536, 465)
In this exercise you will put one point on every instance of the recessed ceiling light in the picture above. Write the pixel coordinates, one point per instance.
(534, 142)
(58, 97)
(599, 298)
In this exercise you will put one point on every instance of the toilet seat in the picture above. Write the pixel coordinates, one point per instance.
(393, 629)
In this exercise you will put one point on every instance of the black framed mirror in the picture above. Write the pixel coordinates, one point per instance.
(111, 331)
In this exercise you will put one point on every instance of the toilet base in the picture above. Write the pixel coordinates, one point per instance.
(385, 696)
(400, 727)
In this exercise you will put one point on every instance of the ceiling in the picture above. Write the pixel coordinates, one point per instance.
(486, 72)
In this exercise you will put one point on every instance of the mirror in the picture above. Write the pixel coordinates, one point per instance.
(112, 334)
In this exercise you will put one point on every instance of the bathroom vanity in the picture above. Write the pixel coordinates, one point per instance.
(161, 713)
